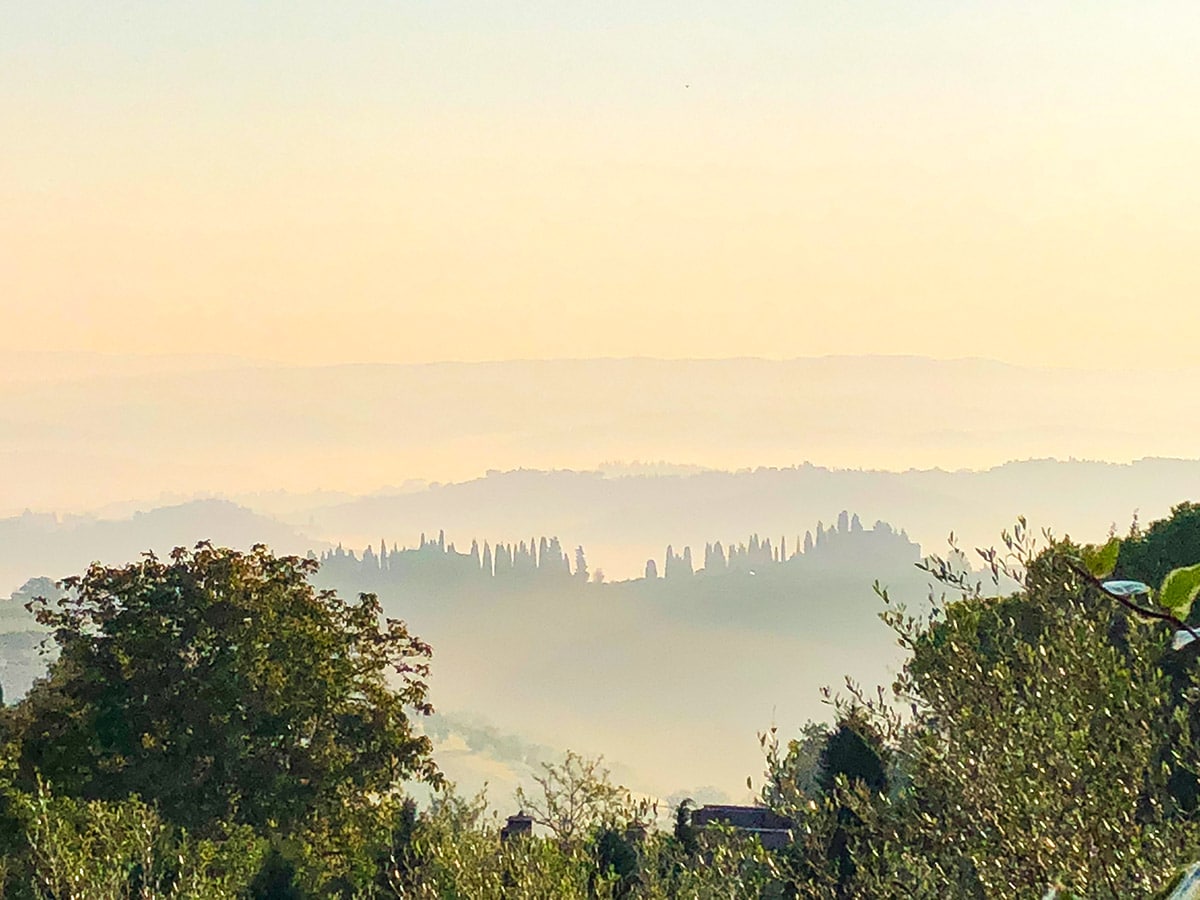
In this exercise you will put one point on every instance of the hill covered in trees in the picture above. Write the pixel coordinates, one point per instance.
(232, 732)
(51, 545)
(534, 640)
(692, 656)
(621, 515)
(617, 517)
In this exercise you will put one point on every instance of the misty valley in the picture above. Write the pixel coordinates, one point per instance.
(549, 450)
(793, 713)
(529, 639)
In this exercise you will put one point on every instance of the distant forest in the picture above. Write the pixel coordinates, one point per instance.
(781, 584)
(436, 563)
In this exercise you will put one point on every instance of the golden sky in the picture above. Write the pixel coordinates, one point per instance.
(416, 181)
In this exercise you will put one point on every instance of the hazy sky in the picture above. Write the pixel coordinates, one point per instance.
(411, 181)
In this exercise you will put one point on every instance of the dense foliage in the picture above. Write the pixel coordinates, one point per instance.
(215, 728)
(223, 689)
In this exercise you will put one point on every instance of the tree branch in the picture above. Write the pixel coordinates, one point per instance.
(1146, 612)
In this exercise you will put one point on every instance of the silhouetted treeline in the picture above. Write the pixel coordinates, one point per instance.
(771, 582)
(436, 565)
(840, 544)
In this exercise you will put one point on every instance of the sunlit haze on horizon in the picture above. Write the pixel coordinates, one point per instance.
(628, 352)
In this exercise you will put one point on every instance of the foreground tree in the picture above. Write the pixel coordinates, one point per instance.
(223, 687)
(1041, 741)
(98, 850)
(1041, 745)
(1165, 545)
(1044, 738)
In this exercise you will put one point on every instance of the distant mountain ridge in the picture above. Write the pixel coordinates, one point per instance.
(223, 426)
(625, 520)
(46, 545)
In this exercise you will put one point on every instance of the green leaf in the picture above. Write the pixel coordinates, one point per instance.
(1100, 561)
(1179, 589)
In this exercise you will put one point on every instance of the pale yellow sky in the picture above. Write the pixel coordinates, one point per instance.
(414, 182)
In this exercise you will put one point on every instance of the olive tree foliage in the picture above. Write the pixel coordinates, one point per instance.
(97, 850)
(794, 773)
(1052, 729)
(1038, 747)
(598, 843)
(118, 850)
(842, 788)
(222, 687)
(456, 852)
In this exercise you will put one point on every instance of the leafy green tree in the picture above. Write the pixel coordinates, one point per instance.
(853, 750)
(276, 880)
(1038, 739)
(617, 861)
(456, 852)
(684, 831)
(793, 775)
(223, 687)
(1168, 544)
(852, 756)
(1037, 749)
(117, 850)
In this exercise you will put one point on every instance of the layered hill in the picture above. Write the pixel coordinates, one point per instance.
(54, 546)
(96, 432)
